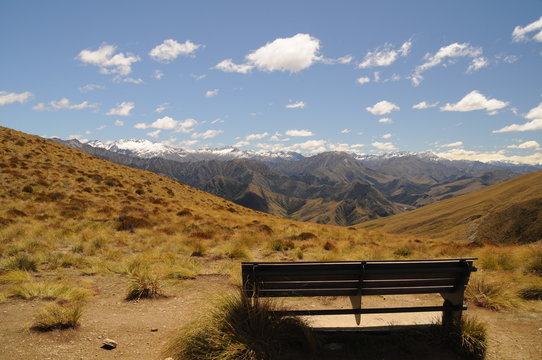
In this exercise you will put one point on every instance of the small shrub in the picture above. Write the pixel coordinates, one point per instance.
(403, 251)
(303, 236)
(143, 284)
(28, 189)
(58, 316)
(198, 250)
(48, 291)
(533, 292)
(181, 273)
(130, 223)
(238, 328)
(265, 229)
(281, 245)
(328, 246)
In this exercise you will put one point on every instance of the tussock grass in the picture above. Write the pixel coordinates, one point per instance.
(48, 291)
(240, 329)
(531, 292)
(58, 316)
(488, 293)
(535, 263)
(22, 262)
(470, 338)
(144, 283)
(15, 277)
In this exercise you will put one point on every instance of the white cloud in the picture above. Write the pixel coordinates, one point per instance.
(297, 105)
(64, 104)
(154, 133)
(535, 113)
(188, 143)
(101, 127)
(477, 64)
(158, 74)
(345, 131)
(363, 80)
(170, 49)
(90, 87)
(277, 137)
(291, 54)
(385, 55)
(386, 146)
(256, 136)
(476, 101)
(448, 52)
(211, 93)
(385, 121)
(161, 108)
(532, 125)
(119, 123)
(526, 145)
(386, 136)
(301, 133)
(122, 109)
(424, 105)
(119, 79)
(217, 121)
(241, 143)
(460, 154)
(452, 145)
(198, 77)
(510, 59)
(168, 123)
(520, 32)
(108, 62)
(10, 98)
(229, 66)
(209, 134)
(382, 108)
(342, 60)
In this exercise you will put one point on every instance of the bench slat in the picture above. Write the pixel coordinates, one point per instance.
(352, 291)
(354, 284)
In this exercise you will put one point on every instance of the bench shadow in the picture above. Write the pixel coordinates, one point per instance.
(404, 342)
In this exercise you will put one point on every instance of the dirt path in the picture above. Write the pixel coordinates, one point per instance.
(512, 335)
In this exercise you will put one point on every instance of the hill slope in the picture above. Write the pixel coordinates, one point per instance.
(509, 212)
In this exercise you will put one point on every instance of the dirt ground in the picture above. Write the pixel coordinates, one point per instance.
(142, 328)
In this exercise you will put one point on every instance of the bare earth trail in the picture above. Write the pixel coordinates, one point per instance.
(142, 328)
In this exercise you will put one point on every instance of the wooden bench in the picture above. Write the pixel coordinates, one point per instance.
(447, 277)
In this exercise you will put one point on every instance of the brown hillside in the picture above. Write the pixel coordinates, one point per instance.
(509, 212)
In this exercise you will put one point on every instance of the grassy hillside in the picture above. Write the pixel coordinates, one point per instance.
(509, 212)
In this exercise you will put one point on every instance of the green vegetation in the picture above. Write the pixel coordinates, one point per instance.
(238, 328)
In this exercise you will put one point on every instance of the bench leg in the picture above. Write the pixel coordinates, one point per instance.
(356, 304)
(452, 317)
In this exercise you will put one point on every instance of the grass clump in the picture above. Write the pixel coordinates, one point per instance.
(23, 262)
(58, 316)
(487, 294)
(532, 292)
(403, 251)
(48, 291)
(470, 338)
(143, 284)
(241, 329)
(535, 264)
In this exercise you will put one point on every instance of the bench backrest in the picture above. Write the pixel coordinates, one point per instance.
(351, 278)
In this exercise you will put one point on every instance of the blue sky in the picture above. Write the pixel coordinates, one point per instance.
(460, 78)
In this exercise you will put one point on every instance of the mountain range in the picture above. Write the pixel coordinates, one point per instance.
(332, 187)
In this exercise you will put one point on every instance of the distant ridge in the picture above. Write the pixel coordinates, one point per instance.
(509, 212)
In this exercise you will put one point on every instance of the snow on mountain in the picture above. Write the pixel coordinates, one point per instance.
(147, 149)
